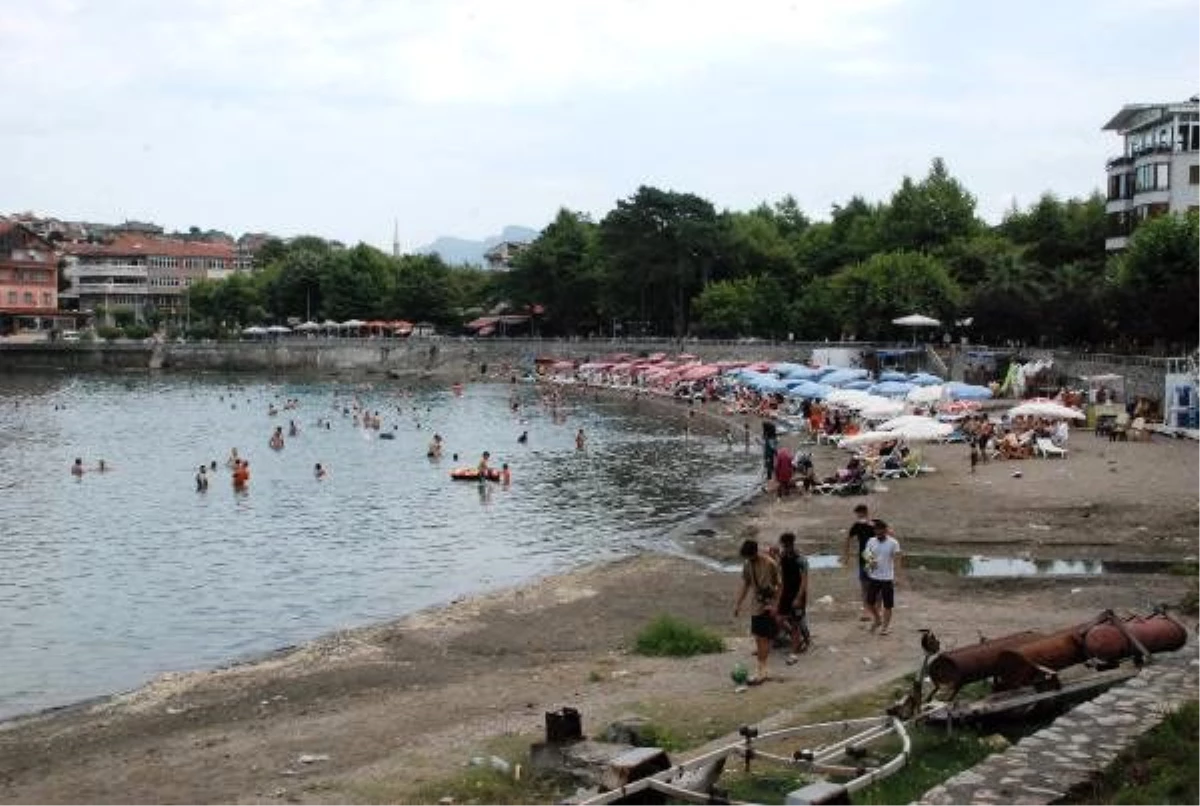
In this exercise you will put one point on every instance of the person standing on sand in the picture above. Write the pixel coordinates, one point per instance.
(580, 440)
(761, 575)
(860, 532)
(792, 607)
(882, 556)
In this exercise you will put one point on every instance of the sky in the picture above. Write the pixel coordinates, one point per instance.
(345, 118)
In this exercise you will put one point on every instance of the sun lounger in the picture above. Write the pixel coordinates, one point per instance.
(1045, 448)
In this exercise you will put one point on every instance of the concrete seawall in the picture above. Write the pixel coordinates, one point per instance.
(451, 356)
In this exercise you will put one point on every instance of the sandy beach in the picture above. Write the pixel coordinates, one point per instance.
(383, 713)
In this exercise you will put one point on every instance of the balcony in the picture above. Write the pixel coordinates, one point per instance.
(102, 289)
(1119, 162)
(103, 273)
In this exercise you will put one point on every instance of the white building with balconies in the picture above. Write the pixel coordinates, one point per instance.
(1158, 170)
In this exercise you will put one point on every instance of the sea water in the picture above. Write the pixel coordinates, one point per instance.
(112, 578)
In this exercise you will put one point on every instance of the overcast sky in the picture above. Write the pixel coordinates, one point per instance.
(456, 117)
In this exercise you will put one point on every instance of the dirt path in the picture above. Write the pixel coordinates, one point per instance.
(385, 711)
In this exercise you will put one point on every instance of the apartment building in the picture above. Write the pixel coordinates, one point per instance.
(1158, 170)
(142, 274)
(28, 280)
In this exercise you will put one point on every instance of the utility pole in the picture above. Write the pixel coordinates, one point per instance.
(396, 239)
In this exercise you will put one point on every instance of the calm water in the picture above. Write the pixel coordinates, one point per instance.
(112, 579)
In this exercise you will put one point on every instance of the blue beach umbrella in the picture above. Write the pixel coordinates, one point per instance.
(839, 377)
(966, 391)
(893, 375)
(892, 388)
(924, 379)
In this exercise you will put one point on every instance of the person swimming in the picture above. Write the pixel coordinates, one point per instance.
(319, 471)
(505, 475)
(233, 460)
(241, 475)
(435, 448)
(202, 479)
(77, 469)
(293, 429)
(276, 442)
(580, 440)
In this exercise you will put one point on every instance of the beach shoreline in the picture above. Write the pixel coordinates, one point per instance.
(399, 705)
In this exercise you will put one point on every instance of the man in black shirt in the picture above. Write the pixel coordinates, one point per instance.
(860, 532)
(792, 608)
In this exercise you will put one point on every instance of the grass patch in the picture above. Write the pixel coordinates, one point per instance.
(761, 786)
(672, 637)
(486, 785)
(1160, 768)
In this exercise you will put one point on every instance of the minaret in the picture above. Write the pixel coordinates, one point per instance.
(396, 239)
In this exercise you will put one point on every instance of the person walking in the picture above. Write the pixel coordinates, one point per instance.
(792, 607)
(882, 556)
(860, 532)
(760, 574)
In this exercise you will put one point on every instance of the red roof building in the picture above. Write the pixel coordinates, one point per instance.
(142, 273)
(28, 279)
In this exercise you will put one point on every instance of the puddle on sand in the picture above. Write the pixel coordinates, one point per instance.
(980, 566)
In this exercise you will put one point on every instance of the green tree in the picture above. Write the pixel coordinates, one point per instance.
(1007, 305)
(928, 214)
(873, 293)
(725, 309)
(1156, 282)
(658, 248)
(559, 271)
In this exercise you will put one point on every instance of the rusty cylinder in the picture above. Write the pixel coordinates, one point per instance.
(967, 664)
(1020, 666)
(1157, 633)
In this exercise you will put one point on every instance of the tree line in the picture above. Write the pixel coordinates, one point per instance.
(667, 263)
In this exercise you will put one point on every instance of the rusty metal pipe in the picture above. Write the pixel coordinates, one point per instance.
(1157, 633)
(967, 664)
(1021, 666)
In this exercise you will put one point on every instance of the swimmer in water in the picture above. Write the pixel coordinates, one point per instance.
(293, 429)
(580, 440)
(102, 466)
(276, 442)
(319, 471)
(202, 479)
(233, 460)
(77, 469)
(505, 475)
(241, 475)
(435, 447)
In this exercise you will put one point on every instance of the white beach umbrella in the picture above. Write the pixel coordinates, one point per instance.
(844, 397)
(1049, 410)
(254, 330)
(878, 408)
(904, 420)
(279, 329)
(925, 394)
(916, 320)
(307, 326)
(923, 432)
(868, 438)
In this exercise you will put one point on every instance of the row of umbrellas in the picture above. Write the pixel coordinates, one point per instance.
(309, 327)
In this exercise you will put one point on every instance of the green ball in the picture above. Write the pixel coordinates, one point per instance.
(740, 674)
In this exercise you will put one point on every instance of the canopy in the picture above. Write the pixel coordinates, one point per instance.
(966, 391)
(1052, 411)
(892, 388)
(916, 320)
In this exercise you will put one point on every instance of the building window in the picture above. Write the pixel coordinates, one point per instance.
(28, 297)
(46, 300)
(1162, 176)
(1194, 174)
(12, 297)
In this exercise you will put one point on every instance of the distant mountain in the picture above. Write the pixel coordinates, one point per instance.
(461, 250)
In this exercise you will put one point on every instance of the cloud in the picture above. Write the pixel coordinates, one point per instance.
(462, 52)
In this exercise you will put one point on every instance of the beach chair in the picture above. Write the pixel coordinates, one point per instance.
(1047, 449)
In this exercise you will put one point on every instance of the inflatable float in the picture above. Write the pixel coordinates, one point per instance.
(472, 474)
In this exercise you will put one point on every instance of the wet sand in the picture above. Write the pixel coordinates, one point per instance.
(377, 714)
